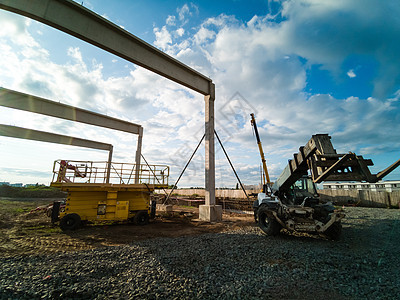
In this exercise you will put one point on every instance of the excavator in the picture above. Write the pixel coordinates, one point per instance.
(292, 201)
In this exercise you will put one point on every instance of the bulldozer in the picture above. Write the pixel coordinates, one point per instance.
(292, 201)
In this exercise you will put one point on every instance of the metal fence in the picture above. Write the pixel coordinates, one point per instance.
(362, 198)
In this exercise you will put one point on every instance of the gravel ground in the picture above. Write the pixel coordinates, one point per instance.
(240, 264)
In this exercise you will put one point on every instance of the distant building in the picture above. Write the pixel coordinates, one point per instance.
(4, 183)
(388, 186)
(251, 187)
(17, 184)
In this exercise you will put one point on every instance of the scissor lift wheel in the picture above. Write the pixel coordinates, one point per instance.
(70, 222)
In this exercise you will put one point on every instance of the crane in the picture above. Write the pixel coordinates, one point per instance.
(264, 163)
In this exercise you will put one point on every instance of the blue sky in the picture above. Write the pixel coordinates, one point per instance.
(303, 67)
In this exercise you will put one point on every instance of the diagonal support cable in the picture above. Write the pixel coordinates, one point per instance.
(184, 169)
(152, 171)
(226, 154)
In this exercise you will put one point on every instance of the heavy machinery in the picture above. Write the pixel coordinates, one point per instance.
(97, 194)
(265, 175)
(293, 203)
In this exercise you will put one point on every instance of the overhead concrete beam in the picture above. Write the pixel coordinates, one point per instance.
(42, 136)
(21, 101)
(76, 20)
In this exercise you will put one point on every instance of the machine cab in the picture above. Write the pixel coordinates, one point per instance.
(303, 191)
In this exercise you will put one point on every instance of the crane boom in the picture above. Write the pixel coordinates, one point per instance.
(264, 163)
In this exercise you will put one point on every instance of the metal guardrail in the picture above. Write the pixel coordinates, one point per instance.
(73, 171)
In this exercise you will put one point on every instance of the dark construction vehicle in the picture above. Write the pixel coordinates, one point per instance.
(297, 209)
(293, 203)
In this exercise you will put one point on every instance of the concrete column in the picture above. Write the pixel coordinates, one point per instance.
(110, 153)
(138, 155)
(210, 212)
(210, 151)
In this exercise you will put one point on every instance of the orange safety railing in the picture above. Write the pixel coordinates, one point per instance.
(72, 171)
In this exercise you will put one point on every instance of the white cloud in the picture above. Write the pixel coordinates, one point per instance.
(328, 32)
(203, 35)
(171, 20)
(163, 37)
(351, 73)
(259, 60)
(194, 8)
(183, 11)
(75, 53)
(180, 31)
(12, 25)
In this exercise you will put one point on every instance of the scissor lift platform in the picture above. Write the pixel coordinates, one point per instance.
(91, 198)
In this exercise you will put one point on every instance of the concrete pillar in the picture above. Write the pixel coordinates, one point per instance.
(210, 211)
(110, 154)
(138, 155)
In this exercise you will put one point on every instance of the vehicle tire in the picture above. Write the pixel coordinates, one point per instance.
(49, 212)
(141, 218)
(70, 222)
(334, 231)
(255, 210)
(267, 224)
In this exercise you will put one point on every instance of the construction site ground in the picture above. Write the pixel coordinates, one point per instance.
(26, 229)
(179, 257)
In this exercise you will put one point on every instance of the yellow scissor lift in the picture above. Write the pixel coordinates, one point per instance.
(99, 191)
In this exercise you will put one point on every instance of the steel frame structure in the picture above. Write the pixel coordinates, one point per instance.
(78, 21)
(25, 102)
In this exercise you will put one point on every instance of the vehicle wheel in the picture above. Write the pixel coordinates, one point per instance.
(141, 218)
(70, 222)
(334, 231)
(269, 225)
(49, 212)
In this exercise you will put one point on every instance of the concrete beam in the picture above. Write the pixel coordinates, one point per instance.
(21, 101)
(42, 136)
(76, 20)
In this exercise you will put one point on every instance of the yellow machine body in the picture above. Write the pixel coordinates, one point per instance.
(98, 191)
(106, 202)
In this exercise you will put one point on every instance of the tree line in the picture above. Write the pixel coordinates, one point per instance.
(38, 191)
